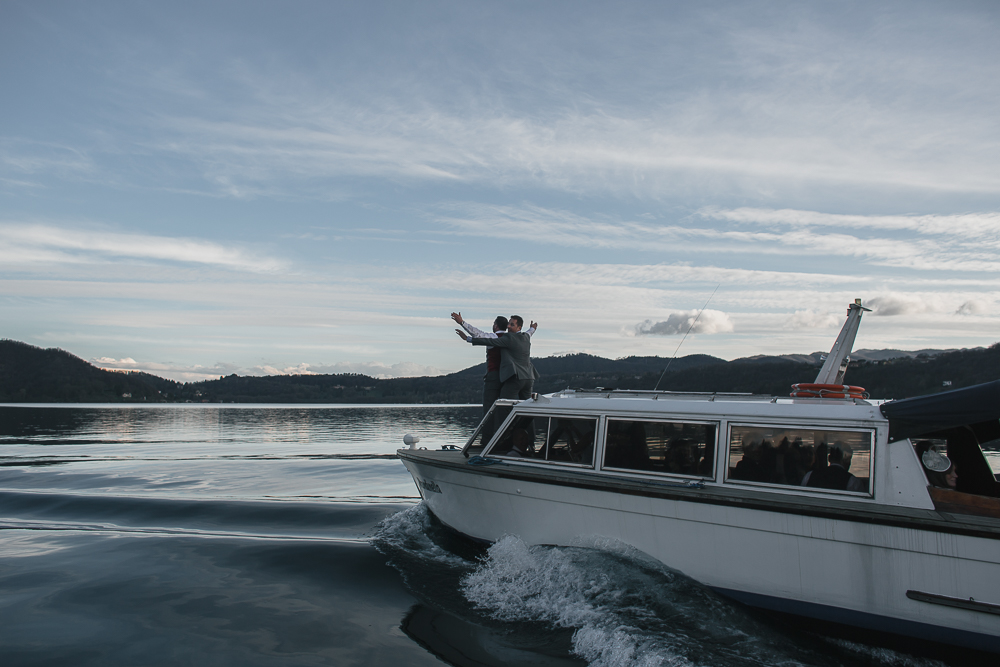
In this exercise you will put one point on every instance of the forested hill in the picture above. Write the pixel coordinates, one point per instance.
(32, 374)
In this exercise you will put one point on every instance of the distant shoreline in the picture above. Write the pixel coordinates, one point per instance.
(31, 375)
(307, 406)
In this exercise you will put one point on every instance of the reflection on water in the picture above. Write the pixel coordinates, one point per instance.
(232, 535)
(355, 427)
(337, 452)
(206, 535)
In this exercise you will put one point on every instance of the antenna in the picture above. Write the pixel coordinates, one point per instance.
(671, 360)
(835, 365)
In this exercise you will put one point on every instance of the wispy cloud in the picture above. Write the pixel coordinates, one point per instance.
(928, 244)
(37, 243)
(963, 225)
(27, 157)
(572, 151)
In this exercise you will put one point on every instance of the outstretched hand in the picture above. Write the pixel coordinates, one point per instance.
(457, 317)
(534, 325)
(461, 334)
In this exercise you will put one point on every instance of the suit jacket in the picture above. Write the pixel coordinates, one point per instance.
(515, 355)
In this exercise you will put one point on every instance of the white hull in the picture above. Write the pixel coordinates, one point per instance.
(844, 570)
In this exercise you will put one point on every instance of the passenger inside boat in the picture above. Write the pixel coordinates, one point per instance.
(837, 474)
(754, 457)
(959, 476)
(939, 470)
(562, 439)
(960, 448)
(626, 446)
(520, 443)
(750, 468)
(676, 448)
(570, 440)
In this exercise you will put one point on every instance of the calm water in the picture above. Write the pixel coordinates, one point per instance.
(273, 535)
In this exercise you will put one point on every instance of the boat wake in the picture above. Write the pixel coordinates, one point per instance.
(615, 605)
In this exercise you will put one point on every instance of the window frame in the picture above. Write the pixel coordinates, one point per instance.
(549, 416)
(712, 476)
(872, 432)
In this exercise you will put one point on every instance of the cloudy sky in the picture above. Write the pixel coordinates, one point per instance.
(202, 188)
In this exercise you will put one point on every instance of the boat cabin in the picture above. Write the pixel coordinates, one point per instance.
(852, 449)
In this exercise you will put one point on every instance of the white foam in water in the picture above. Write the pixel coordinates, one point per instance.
(518, 583)
(626, 608)
(630, 610)
(407, 531)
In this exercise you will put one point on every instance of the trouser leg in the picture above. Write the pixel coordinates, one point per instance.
(491, 392)
(524, 389)
(509, 389)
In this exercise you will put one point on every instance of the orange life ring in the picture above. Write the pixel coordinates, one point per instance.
(816, 390)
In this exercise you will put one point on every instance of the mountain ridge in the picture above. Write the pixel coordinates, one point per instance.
(32, 374)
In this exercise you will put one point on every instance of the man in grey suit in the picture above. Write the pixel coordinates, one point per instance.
(516, 372)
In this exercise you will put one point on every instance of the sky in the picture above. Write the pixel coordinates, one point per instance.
(196, 189)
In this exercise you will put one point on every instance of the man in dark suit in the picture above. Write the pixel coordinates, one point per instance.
(516, 372)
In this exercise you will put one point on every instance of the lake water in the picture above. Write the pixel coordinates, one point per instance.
(291, 535)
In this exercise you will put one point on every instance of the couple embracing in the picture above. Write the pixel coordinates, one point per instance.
(509, 373)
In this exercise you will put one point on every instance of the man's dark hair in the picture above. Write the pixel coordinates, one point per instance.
(519, 320)
(500, 322)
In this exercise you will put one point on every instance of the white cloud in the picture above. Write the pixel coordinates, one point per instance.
(900, 304)
(197, 372)
(172, 371)
(38, 243)
(973, 307)
(709, 322)
(808, 319)
(111, 362)
(373, 369)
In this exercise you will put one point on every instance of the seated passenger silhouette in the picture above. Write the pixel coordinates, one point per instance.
(681, 457)
(836, 475)
(521, 443)
(749, 468)
(801, 463)
(818, 463)
(581, 447)
(627, 446)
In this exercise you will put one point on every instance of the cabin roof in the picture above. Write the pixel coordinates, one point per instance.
(702, 405)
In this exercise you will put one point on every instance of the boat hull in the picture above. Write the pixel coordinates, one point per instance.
(854, 570)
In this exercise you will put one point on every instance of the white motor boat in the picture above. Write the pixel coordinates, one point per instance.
(815, 504)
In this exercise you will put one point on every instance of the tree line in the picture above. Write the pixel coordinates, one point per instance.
(30, 374)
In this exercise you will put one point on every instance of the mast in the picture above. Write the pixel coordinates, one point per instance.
(836, 362)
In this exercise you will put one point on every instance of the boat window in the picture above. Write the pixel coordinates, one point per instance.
(812, 457)
(570, 440)
(658, 446)
(553, 439)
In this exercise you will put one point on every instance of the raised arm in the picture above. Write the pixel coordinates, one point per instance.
(496, 341)
(473, 331)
